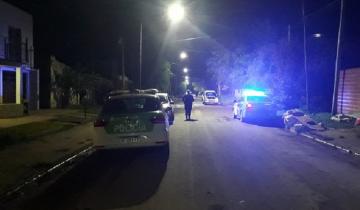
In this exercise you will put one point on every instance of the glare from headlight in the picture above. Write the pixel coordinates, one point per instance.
(164, 106)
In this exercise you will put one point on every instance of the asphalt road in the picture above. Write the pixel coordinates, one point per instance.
(214, 163)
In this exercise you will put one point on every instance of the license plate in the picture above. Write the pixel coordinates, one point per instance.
(132, 140)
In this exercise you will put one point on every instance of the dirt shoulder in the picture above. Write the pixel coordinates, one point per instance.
(22, 161)
(31, 145)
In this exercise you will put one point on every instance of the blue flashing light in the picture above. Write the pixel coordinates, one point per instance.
(7, 68)
(252, 92)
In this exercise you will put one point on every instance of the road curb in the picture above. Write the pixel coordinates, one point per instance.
(334, 146)
(11, 193)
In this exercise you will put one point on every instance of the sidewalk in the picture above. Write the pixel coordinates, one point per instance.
(43, 115)
(346, 138)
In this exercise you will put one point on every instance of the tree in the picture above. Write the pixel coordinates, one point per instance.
(62, 83)
(161, 77)
(273, 67)
(219, 65)
(77, 85)
(164, 77)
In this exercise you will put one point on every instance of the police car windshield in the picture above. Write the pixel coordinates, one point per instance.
(131, 105)
(211, 95)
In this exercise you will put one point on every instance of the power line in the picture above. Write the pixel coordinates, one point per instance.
(314, 11)
(321, 8)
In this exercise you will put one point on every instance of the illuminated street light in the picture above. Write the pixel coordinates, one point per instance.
(317, 35)
(186, 77)
(186, 70)
(183, 55)
(176, 12)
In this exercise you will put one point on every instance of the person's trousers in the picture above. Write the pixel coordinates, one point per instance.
(188, 110)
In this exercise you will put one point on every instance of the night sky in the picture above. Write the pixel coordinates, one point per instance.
(87, 31)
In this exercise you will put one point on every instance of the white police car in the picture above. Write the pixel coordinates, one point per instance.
(210, 97)
(256, 105)
(133, 120)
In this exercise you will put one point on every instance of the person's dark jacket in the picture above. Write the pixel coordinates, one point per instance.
(188, 99)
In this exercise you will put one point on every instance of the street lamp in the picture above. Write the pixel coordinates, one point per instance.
(183, 55)
(317, 35)
(186, 70)
(186, 77)
(176, 12)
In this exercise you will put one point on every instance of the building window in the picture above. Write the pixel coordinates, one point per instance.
(9, 87)
(14, 44)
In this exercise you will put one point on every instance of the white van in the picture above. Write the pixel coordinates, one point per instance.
(210, 97)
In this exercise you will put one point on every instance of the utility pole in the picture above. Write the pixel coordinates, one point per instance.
(123, 65)
(305, 58)
(337, 61)
(140, 57)
(121, 42)
(173, 79)
(289, 33)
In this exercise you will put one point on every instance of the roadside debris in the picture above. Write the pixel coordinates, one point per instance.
(341, 118)
(357, 122)
(357, 118)
(297, 121)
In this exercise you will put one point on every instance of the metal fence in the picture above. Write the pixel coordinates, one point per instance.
(349, 91)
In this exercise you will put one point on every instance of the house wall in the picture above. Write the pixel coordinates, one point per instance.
(17, 18)
(349, 91)
(22, 63)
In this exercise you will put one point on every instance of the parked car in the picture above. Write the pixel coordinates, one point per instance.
(210, 97)
(133, 120)
(136, 91)
(256, 107)
(116, 93)
(167, 103)
(152, 91)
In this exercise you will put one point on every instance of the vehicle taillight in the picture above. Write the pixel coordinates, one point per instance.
(158, 119)
(249, 105)
(100, 123)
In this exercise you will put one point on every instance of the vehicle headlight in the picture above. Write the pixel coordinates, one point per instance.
(164, 106)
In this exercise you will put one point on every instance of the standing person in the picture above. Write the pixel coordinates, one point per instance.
(188, 100)
(236, 109)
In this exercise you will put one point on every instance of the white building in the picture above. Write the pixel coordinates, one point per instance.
(18, 80)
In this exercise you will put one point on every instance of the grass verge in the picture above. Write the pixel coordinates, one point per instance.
(29, 132)
(89, 109)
